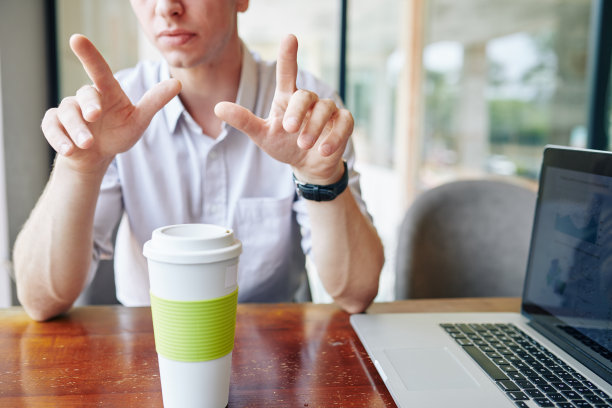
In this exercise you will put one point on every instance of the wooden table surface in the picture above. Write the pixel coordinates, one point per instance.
(285, 355)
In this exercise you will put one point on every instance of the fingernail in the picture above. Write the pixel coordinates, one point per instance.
(64, 148)
(325, 149)
(83, 137)
(91, 108)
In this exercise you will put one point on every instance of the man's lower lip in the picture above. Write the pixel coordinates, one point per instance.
(175, 39)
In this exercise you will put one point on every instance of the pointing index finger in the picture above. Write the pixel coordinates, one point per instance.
(94, 63)
(286, 66)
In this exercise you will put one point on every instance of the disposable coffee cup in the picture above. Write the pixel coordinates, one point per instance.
(193, 272)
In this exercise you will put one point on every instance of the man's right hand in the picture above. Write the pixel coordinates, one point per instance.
(90, 128)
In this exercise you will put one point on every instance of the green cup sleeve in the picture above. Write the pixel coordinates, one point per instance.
(194, 330)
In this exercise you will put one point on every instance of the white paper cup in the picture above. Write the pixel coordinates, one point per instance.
(193, 272)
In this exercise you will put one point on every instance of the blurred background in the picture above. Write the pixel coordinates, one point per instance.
(440, 90)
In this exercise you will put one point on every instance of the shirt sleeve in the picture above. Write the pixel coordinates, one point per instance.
(108, 213)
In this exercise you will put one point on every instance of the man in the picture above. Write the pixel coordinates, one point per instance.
(130, 146)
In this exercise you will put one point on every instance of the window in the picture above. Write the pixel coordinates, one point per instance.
(110, 25)
(498, 86)
(316, 24)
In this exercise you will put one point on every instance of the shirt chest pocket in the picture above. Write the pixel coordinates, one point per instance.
(264, 225)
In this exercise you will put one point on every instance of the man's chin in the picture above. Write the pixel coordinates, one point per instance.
(179, 60)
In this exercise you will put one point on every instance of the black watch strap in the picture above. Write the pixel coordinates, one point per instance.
(322, 193)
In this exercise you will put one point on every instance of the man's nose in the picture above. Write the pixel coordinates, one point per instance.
(169, 8)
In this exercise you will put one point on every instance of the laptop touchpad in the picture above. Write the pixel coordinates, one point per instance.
(429, 369)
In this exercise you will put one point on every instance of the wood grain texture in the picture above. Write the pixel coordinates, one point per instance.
(285, 355)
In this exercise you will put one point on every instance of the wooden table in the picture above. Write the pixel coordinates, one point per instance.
(285, 355)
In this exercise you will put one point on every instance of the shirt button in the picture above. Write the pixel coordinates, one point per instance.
(212, 155)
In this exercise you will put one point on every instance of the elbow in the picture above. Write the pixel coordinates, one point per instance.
(357, 298)
(41, 313)
(352, 306)
(357, 302)
(38, 307)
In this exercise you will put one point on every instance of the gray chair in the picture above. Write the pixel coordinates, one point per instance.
(465, 239)
(101, 290)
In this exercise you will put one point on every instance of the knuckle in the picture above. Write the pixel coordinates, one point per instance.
(328, 104)
(83, 89)
(49, 116)
(347, 115)
(87, 92)
(307, 95)
(67, 103)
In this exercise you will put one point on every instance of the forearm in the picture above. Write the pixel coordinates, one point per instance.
(53, 251)
(347, 251)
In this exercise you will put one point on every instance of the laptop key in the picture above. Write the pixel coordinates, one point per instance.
(590, 385)
(465, 328)
(477, 327)
(538, 381)
(581, 404)
(534, 393)
(524, 384)
(520, 364)
(463, 341)
(521, 404)
(593, 399)
(485, 363)
(571, 395)
(544, 402)
(528, 373)
(561, 386)
(516, 376)
(500, 360)
(551, 378)
(508, 385)
(574, 383)
(556, 397)
(547, 388)
(600, 394)
(517, 396)
(507, 368)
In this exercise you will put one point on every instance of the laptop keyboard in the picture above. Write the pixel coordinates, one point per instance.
(524, 369)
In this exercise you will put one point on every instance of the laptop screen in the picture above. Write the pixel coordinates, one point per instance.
(568, 288)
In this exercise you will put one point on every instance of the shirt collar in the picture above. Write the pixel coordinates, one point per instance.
(247, 90)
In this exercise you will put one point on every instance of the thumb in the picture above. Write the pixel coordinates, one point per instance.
(155, 99)
(240, 118)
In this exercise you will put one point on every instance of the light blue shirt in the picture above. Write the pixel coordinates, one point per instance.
(175, 174)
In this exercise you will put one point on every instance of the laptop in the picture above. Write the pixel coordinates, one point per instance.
(558, 351)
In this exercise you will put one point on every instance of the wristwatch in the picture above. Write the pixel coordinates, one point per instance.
(322, 193)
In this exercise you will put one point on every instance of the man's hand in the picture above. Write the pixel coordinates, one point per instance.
(90, 128)
(302, 130)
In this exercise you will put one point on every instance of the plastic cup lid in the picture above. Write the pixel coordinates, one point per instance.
(192, 243)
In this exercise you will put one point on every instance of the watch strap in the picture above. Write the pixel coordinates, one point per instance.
(317, 192)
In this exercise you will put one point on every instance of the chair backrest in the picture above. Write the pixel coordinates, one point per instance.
(465, 239)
